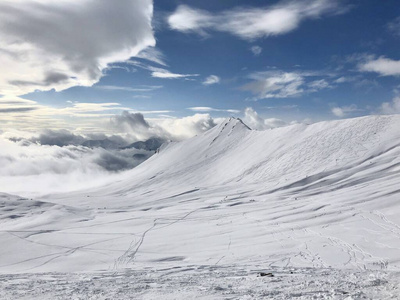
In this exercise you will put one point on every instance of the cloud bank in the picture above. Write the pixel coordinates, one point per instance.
(47, 44)
(62, 160)
(31, 169)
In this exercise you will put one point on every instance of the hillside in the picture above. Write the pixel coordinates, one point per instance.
(319, 196)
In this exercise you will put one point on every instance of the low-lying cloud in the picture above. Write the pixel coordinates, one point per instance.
(392, 107)
(252, 119)
(30, 168)
(63, 161)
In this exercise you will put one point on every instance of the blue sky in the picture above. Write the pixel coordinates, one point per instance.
(290, 60)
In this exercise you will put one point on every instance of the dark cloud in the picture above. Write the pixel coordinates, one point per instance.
(54, 77)
(130, 121)
(17, 109)
(58, 138)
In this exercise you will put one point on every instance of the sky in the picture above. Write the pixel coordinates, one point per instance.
(74, 71)
(76, 64)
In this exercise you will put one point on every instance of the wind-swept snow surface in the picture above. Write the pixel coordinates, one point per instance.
(324, 196)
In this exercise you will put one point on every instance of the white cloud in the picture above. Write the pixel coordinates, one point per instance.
(256, 50)
(30, 168)
(343, 111)
(252, 23)
(317, 85)
(187, 19)
(134, 126)
(275, 84)
(153, 54)
(252, 119)
(183, 128)
(162, 73)
(147, 88)
(212, 79)
(290, 106)
(58, 44)
(394, 26)
(345, 79)
(383, 66)
(391, 107)
(19, 113)
(279, 84)
(210, 109)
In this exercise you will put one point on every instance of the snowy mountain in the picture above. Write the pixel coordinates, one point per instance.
(104, 143)
(318, 196)
(152, 144)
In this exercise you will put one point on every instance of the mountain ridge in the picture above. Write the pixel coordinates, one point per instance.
(320, 195)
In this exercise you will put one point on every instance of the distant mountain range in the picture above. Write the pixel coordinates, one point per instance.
(151, 144)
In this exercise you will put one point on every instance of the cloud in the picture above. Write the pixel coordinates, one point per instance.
(391, 107)
(134, 126)
(148, 88)
(66, 160)
(394, 26)
(345, 79)
(56, 160)
(210, 109)
(163, 73)
(131, 123)
(252, 23)
(16, 109)
(252, 119)
(59, 44)
(154, 55)
(318, 85)
(160, 72)
(59, 138)
(279, 84)
(256, 50)
(183, 128)
(188, 19)
(23, 114)
(31, 169)
(290, 106)
(382, 65)
(343, 111)
(275, 84)
(212, 79)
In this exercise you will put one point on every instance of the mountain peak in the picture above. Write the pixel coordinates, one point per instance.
(233, 122)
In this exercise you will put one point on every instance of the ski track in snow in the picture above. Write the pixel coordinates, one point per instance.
(203, 216)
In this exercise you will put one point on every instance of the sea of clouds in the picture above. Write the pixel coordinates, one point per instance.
(39, 163)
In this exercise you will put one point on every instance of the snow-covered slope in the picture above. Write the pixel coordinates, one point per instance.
(322, 195)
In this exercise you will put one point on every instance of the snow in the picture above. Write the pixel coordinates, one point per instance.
(203, 283)
(320, 200)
